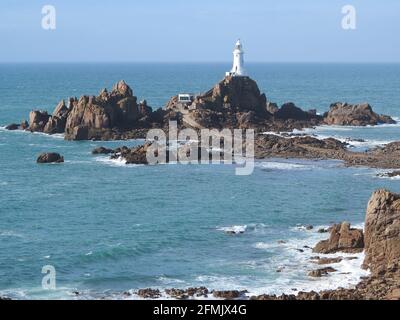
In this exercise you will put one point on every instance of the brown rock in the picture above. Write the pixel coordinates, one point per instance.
(342, 238)
(38, 120)
(228, 294)
(354, 115)
(382, 232)
(149, 293)
(50, 158)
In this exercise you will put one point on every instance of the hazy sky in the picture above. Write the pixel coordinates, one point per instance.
(194, 30)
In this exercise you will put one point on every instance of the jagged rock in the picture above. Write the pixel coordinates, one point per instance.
(354, 115)
(382, 232)
(50, 158)
(55, 125)
(342, 238)
(38, 120)
(272, 107)
(106, 114)
(136, 155)
(102, 150)
(122, 88)
(61, 110)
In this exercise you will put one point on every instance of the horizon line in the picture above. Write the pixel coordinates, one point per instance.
(198, 62)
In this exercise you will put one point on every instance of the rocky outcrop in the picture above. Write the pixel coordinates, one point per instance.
(58, 119)
(50, 158)
(187, 293)
(149, 293)
(229, 294)
(108, 116)
(308, 147)
(38, 120)
(291, 111)
(342, 238)
(136, 155)
(344, 114)
(382, 233)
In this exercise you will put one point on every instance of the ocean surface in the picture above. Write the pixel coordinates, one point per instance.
(108, 227)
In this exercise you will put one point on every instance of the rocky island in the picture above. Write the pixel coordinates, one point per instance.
(235, 102)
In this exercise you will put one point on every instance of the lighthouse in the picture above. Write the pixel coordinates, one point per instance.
(238, 61)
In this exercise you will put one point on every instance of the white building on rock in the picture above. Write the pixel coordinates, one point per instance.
(238, 61)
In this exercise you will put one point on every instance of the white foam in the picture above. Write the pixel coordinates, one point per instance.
(233, 229)
(381, 175)
(292, 258)
(120, 162)
(282, 166)
(10, 233)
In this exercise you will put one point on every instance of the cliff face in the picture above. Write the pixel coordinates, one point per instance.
(382, 233)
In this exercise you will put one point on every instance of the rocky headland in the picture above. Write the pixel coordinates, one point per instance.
(380, 241)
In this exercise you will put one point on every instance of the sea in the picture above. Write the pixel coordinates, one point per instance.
(107, 228)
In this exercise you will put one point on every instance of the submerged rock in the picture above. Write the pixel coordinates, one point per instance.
(102, 150)
(391, 174)
(50, 158)
(12, 126)
(321, 272)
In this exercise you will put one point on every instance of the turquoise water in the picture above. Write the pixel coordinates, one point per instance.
(107, 227)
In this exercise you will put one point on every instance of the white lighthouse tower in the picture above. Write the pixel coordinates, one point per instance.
(238, 61)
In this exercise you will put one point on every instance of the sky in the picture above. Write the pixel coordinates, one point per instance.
(199, 31)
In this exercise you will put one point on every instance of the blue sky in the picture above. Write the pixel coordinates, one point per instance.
(199, 31)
